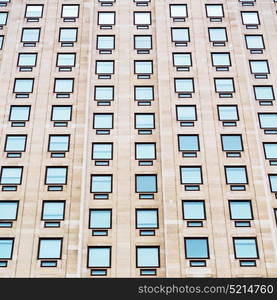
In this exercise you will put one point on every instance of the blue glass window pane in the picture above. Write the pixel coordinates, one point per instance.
(100, 218)
(184, 85)
(61, 113)
(186, 113)
(27, 59)
(245, 248)
(15, 143)
(30, 35)
(63, 85)
(56, 175)
(224, 85)
(240, 210)
(146, 184)
(231, 142)
(104, 93)
(70, 11)
(147, 257)
(8, 210)
(147, 218)
(104, 67)
(34, 11)
(259, 66)
(196, 248)
(23, 85)
(227, 113)
(101, 184)
(217, 34)
(143, 42)
(11, 175)
(254, 41)
(145, 151)
(66, 59)
(103, 121)
(102, 151)
(50, 248)
(19, 113)
(143, 67)
(3, 18)
(144, 92)
(6, 246)
(99, 257)
(221, 59)
(188, 143)
(145, 121)
(191, 175)
(53, 210)
(268, 120)
(193, 210)
(182, 59)
(270, 150)
(58, 143)
(68, 34)
(273, 183)
(264, 92)
(180, 34)
(236, 175)
(105, 42)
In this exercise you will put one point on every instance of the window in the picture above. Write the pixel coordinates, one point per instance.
(104, 67)
(63, 85)
(270, 150)
(106, 19)
(231, 142)
(146, 183)
(26, 61)
(53, 210)
(67, 36)
(142, 19)
(30, 36)
(102, 121)
(144, 121)
(250, 19)
(259, 68)
(105, 43)
(102, 151)
(144, 93)
(144, 67)
(8, 210)
(263, 92)
(240, 210)
(221, 61)
(50, 248)
(146, 218)
(104, 93)
(180, 36)
(196, 248)
(61, 113)
(15, 143)
(182, 61)
(33, 12)
(3, 19)
(100, 219)
(148, 257)
(178, 12)
(70, 12)
(245, 248)
(228, 112)
(188, 142)
(23, 86)
(101, 183)
(218, 36)
(99, 257)
(191, 175)
(194, 210)
(236, 175)
(214, 12)
(6, 248)
(184, 86)
(268, 120)
(1, 41)
(255, 43)
(11, 175)
(273, 182)
(186, 113)
(58, 143)
(143, 43)
(19, 113)
(56, 175)
(66, 60)
(145, 151)
(224, 85)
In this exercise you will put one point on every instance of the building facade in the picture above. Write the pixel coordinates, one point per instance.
(138, 138)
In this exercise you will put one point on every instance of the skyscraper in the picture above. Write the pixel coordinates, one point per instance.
(138, 138)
